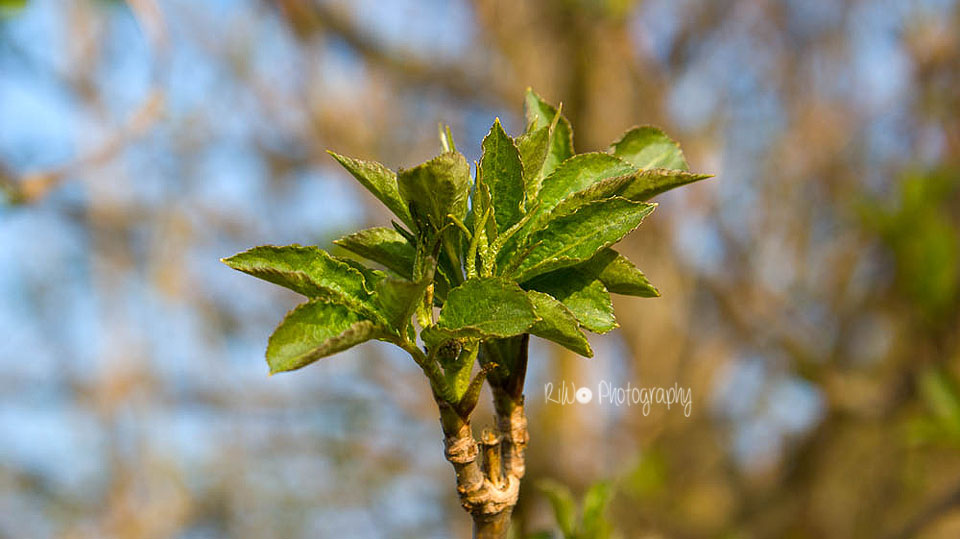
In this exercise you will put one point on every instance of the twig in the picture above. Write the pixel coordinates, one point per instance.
(467, 82)
(36, 185)
(930, 514)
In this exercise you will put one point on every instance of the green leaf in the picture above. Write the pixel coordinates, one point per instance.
(577, 174)
(404, 232)
(649, 477)
(533, 151)
(397, 299)
(578, 180)
(638, 186)
(649, 147)
(314, 330)
(582, 293)
(446, 138)
(649, 183)
(619, 275)
(477, 238)
(942, 395)
(540, 114)
(371, 277)
(563, 504)
(482, 205)
(605, 188)
(436, 188)
(557, 323)
(384, 246)
(482, 202)
(380, 181)
(576, 237)
(502, 172)
(482, 308)
(595, 503)
(307, 270)
(390, 248)
(508, 242)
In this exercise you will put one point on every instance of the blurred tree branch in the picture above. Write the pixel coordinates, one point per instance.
(34, 186)
(467, 79)
(929, 515)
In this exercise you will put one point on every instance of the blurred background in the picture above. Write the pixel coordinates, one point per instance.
(811, 291)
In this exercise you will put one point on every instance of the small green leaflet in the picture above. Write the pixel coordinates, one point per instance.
(482, 308)
(380, 181)
(605, 188)
(577, 236)
(397, 299)
(579, 173)
(307, 270)
(502, 172)
(563, 505)
(314, 330)
(557, 323)
(384, 246)
(649, 147)
(436, 188)
(580, 292)
(533, 151)
(446, 138)
(649, 183)
(639, 186)
(371, 277)
(482, 202)
(595, 503)
(587, 178)
(540, 114)
(589, 175)
(619, 275)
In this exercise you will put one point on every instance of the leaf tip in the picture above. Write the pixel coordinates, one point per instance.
(230, 261)
(271, 367)
(343, 160)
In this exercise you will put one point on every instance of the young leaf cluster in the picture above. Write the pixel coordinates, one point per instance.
(521, 246)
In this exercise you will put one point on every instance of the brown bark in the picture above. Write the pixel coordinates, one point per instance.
(488, 482)
(493, 526)
(512, 424)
